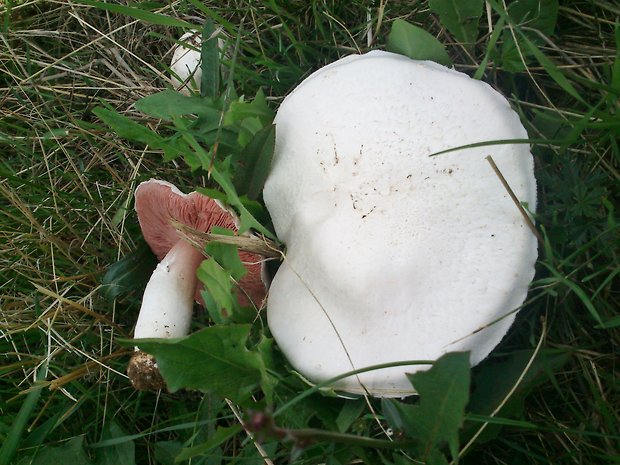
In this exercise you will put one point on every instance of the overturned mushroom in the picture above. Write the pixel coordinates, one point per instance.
(169, 296)
(394, 254)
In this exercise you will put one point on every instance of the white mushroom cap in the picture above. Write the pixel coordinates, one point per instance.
(393, 254)
(186, 62)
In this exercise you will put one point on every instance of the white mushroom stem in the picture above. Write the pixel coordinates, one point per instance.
(168, 300)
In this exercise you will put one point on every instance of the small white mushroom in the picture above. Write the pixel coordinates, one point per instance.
(185, 66)
(394, 254)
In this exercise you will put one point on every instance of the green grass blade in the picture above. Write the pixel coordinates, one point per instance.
(138, 13)
(11, 443)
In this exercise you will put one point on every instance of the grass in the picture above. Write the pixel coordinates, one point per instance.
(66, 185)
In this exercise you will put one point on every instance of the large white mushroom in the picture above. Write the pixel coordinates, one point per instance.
(394, 254)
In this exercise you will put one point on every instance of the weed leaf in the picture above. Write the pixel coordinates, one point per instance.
(210, 62)
(126, 128)
(121, 453)
(255, 162)
(130, 273)
(214, 359)
(218, 294)
(460, 17)
(139, 13)
(70, 452)
(226, 255)
(169, 104)
(416, 43)
(437, 419)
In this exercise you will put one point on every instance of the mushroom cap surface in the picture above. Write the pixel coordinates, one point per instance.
(159, 204)
(393, 254)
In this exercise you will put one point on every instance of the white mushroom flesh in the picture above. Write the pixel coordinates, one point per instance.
(168, 300)
(394, 254)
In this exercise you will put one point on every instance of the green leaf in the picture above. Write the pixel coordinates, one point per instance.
(444, 392)
(71, 452)
(437, 419)
(350, 412)
(218, 293)
(128, 129)
(254, 163)
(222, 434)
(240, 110)
(14, 435)
(416, 43)
(226, 255)
(121, 453)
(210, 61)
(541, 15)
(139, 13)
(166, 452)
(214, 359)
(460, 17)
(130, 273)
(534, 15)
(397, 415)
(246, 219)
(169, 104)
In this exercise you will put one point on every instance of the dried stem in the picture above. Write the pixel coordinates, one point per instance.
(253, 244)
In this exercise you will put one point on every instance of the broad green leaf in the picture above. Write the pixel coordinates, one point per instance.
(128, 129)
(398, 414)
(210, 61)
(350, 412)
(139, 13)
(416, 43)
(214, 359)
(541, 15)
(460, 17)
(254, 163)
(125, 127)
(130, 273)
(257, 108)
(166, 452)
(218, 292)
(531, 18)
(226, 255)
(444, 392)
(69, 452)
(222, 434)
(437, 419)
(121, 453)
(169, 104)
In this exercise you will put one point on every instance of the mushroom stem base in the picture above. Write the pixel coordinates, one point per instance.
(144, 373)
